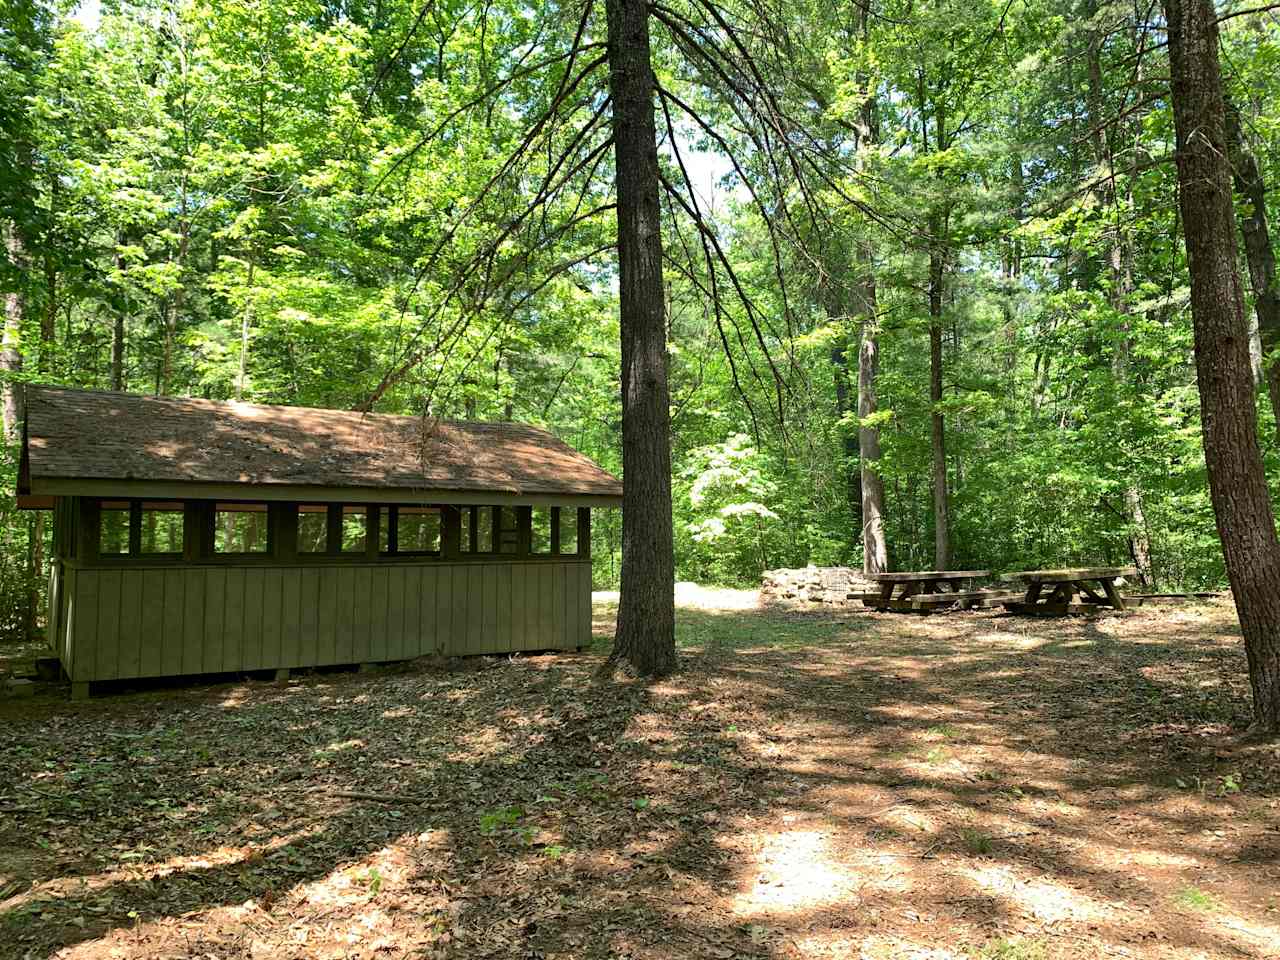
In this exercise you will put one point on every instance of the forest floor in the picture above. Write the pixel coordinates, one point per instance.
(838, 784)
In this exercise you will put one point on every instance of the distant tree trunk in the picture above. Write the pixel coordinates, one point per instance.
(941, 520)
(1119, 256)
(1237, 482)
(645, 635)
(10, 345)
(849, 441)
(1259, 254)
(875, 550)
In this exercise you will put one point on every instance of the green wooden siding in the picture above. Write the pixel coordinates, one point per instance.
(123, 622)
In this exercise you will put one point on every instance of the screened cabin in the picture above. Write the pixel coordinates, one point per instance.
(195, 537)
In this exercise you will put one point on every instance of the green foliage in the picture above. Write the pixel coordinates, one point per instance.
(308, 203)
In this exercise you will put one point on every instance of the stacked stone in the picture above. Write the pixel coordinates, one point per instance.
(829, 585)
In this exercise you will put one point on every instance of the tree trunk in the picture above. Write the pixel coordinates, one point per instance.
(10, 346)
(645, 635)
(849, 441)
(1258, 254)
(875, 551)
(1237, 483)
(941, 520)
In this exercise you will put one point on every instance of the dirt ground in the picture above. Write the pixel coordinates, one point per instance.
(842, 784)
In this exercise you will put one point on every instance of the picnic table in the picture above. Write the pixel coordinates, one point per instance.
(924, 591)
(1072, 590)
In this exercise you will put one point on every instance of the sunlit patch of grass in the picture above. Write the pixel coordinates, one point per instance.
(1193, 898)
(944, 730)
(976, 842)
(1002, 949)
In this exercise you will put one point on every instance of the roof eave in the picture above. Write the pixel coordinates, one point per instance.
(190, 490)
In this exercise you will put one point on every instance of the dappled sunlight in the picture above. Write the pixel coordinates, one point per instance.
(892, 788)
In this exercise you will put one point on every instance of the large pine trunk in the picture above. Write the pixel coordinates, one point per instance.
(645, 635)
(1237, 483)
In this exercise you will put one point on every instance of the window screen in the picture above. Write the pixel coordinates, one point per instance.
(161, 528)
(313, 528)
(240, 528)
(418, 530)
(354, 531)
(113, 528)
(568, 530)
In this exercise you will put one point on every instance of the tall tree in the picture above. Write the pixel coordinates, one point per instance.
(1259, 254)
(1237, 481)
(646, 609)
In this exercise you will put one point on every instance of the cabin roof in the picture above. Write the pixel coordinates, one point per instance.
(83, 437)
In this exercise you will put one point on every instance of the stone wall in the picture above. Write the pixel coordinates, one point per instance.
(829, 585)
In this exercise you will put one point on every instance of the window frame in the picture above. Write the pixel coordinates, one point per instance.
(133, 531)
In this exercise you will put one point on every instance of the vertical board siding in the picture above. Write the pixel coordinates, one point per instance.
(234, 625)
(155, 622)
(215, 616)
(290, 619)
(272, 604)
(171, 622)
(132, 637)
(107, 655)
(151, 639)
(193, 625)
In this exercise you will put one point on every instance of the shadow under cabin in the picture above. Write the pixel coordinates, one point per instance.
(200, 537)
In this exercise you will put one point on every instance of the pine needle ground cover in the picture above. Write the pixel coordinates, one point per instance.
(811, 785)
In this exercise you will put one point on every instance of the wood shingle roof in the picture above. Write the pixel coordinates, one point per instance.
(82, 435)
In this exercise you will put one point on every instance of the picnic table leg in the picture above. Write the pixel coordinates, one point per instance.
(1033, 592)
(1090, 593)
(1109, 585)
(886, 596)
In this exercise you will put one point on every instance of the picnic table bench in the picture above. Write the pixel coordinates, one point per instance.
(924, 591)
(1072, 590)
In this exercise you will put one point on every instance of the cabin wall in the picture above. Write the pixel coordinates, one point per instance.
(131, 621)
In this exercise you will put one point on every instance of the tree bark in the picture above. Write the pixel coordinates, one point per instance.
(941, 520)
(1259, 255)
(10, 346)
(1237, 482)
(645, 636)
(875, 550)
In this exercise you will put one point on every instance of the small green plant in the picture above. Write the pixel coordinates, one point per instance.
(975, 841)
(936, 755)
(503, 817)
(372, 881)
(640, 803)
(1228, 784)
(1002, 949)
(1193, 898)
(944, 730)
(554, 851)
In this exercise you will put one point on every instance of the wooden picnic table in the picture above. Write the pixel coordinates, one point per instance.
(1071, 590)
(924, 589)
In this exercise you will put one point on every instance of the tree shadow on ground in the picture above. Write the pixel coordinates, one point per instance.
(894, 784)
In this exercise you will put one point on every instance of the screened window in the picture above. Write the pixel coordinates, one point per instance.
(313, 528)
(411, 529)
(418, 529)
(568, 530)
(241, 528)
(354, 529)
(136, 528)
(507, 532)
(113, 528)
(540, 530)
(477, 530)
(161, 529)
